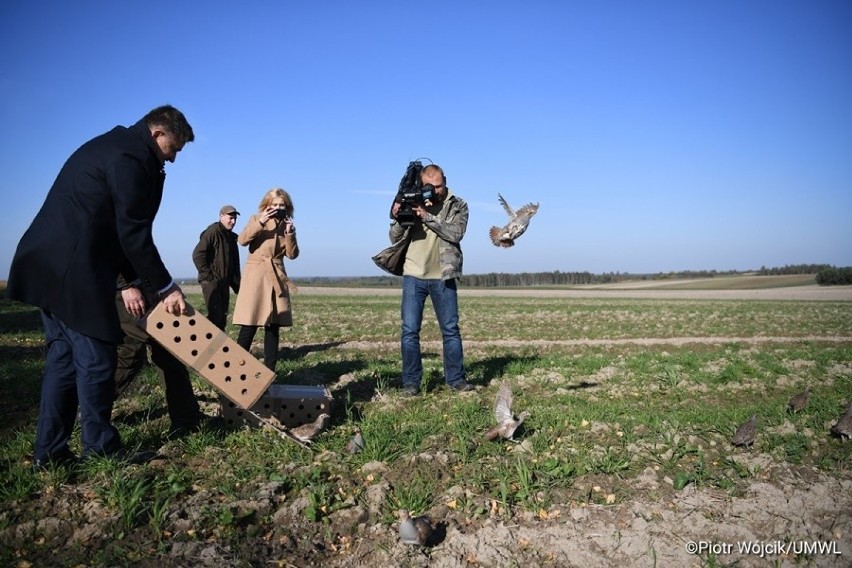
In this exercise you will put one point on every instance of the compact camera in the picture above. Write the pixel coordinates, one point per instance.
(280, 214)
(412, 192)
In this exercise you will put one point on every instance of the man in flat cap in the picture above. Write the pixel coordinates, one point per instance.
(217, 259)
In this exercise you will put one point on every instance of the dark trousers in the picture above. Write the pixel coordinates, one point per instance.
(270, 342)
(78, 372)
(217, 297)
(174, 376)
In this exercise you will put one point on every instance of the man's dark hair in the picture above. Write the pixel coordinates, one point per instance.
(172, 120)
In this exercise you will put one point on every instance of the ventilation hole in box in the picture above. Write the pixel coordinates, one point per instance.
(208, 335)
(159, 325)
(243, 377)
(228, 378)
(226, 364)
(292, 415)
(267, 406)
(193, 337)
(177, 338)
(192, 322)
(244, 392)
(194, 352)
(211, 366)
(240, 413)
(176, 323)
(225, 349)
(301, 407)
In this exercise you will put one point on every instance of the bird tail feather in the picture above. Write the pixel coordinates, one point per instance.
(494, 233)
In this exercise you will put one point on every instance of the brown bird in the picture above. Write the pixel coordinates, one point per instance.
(843, 428)
(416, 531)
(507, 422)
(744, 436)
(799, 401)
(356, 444)
(307, 432)
(517, 225)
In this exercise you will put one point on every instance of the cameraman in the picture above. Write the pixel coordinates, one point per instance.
(433, 262)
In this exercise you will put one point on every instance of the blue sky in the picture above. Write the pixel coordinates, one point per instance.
(657, 136)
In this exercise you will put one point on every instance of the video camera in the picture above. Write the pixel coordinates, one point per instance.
(412, 192)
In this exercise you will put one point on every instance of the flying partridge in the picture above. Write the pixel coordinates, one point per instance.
(356, 444)
(507, 422)
(843, 428)
(799, 401)
(518, 222)
(307, 432)
(416, 531)
(744, 436)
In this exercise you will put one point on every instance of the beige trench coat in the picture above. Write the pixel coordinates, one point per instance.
(264, 297)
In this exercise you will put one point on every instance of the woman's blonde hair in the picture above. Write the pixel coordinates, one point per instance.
(274, 194)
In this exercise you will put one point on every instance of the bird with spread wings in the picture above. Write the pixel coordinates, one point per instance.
(518, 222)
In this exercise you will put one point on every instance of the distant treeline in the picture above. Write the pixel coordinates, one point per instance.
(558, 278)
(794, 269)
(826, 275)
(832, 276)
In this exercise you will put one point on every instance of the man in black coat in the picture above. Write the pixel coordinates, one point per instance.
(217, 258)
(95, 224)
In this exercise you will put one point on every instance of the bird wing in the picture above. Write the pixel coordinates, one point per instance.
(503, 404)
(505, 205)
(527, 210)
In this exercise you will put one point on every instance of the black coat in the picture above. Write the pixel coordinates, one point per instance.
(95, 224)
(217, 257)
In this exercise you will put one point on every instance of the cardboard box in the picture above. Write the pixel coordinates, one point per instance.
(292, 405)
(199, 344)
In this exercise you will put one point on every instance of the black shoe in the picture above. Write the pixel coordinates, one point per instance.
(135, 458)
(60, 459)
(410, 391)
(183, 430)
(462, 386)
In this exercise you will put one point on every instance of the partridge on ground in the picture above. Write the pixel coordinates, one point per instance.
(744, 436)
(356, 443)
(799, 401)
(307, 432)
(843, 427)
(416, 531)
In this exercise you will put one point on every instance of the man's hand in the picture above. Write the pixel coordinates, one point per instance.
(173, 300)
(134, 301)
(395, 209)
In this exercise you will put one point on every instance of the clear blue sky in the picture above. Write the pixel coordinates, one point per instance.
(657, 135)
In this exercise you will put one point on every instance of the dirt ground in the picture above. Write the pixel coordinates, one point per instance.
(788, 516)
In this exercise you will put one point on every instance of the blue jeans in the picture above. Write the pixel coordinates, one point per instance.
(78, 370)
(445, 302)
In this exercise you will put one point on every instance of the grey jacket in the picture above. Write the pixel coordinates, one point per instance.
(450, 225)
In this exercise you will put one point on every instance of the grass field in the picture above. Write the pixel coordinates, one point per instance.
(632, 405)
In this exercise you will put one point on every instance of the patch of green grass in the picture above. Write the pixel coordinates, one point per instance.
(602, 413)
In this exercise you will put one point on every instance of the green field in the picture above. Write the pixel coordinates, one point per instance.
(616, 388)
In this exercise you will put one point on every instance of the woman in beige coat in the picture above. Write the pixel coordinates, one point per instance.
(264, 298)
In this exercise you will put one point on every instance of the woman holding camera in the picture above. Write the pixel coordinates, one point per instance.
(264, 298)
